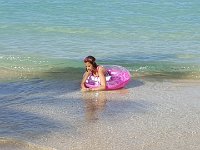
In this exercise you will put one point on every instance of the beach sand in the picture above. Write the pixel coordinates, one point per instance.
(147, 115)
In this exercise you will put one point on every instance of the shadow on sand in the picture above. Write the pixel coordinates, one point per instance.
(16, 123)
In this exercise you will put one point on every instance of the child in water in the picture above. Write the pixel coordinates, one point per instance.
(95, 70)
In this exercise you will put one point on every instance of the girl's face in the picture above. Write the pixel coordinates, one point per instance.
(89, 66)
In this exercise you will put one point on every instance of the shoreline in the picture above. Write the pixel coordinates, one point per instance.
(12, 76)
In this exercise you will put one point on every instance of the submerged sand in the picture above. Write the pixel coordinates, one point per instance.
(147, 115)
(12, 144)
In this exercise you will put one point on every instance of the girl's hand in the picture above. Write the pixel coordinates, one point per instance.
(83, 89)
(86, 89)
(91, 89)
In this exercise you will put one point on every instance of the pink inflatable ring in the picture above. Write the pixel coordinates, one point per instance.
(117, 78)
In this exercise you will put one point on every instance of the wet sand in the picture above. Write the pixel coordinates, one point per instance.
(148, 115)
(12, 144)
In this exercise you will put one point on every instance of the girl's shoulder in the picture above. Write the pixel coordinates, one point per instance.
(100, 68)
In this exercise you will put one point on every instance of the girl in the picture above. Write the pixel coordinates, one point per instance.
(95, 70)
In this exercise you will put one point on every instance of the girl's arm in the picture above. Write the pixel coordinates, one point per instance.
(102, 77)
(85, 76)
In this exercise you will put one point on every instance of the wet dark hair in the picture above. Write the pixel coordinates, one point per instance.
(91, 60)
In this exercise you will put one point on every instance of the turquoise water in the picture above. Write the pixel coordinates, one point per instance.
(147, 37)
(43, 44)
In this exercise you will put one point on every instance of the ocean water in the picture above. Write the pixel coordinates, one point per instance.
(43, 44)
(147, 37)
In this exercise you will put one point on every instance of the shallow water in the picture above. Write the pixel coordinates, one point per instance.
(12, 144)
(146, 114)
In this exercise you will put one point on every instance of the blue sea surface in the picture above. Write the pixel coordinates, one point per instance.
(40, 35)
(43, 44)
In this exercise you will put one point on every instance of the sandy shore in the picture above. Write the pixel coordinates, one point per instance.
(147, 115)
